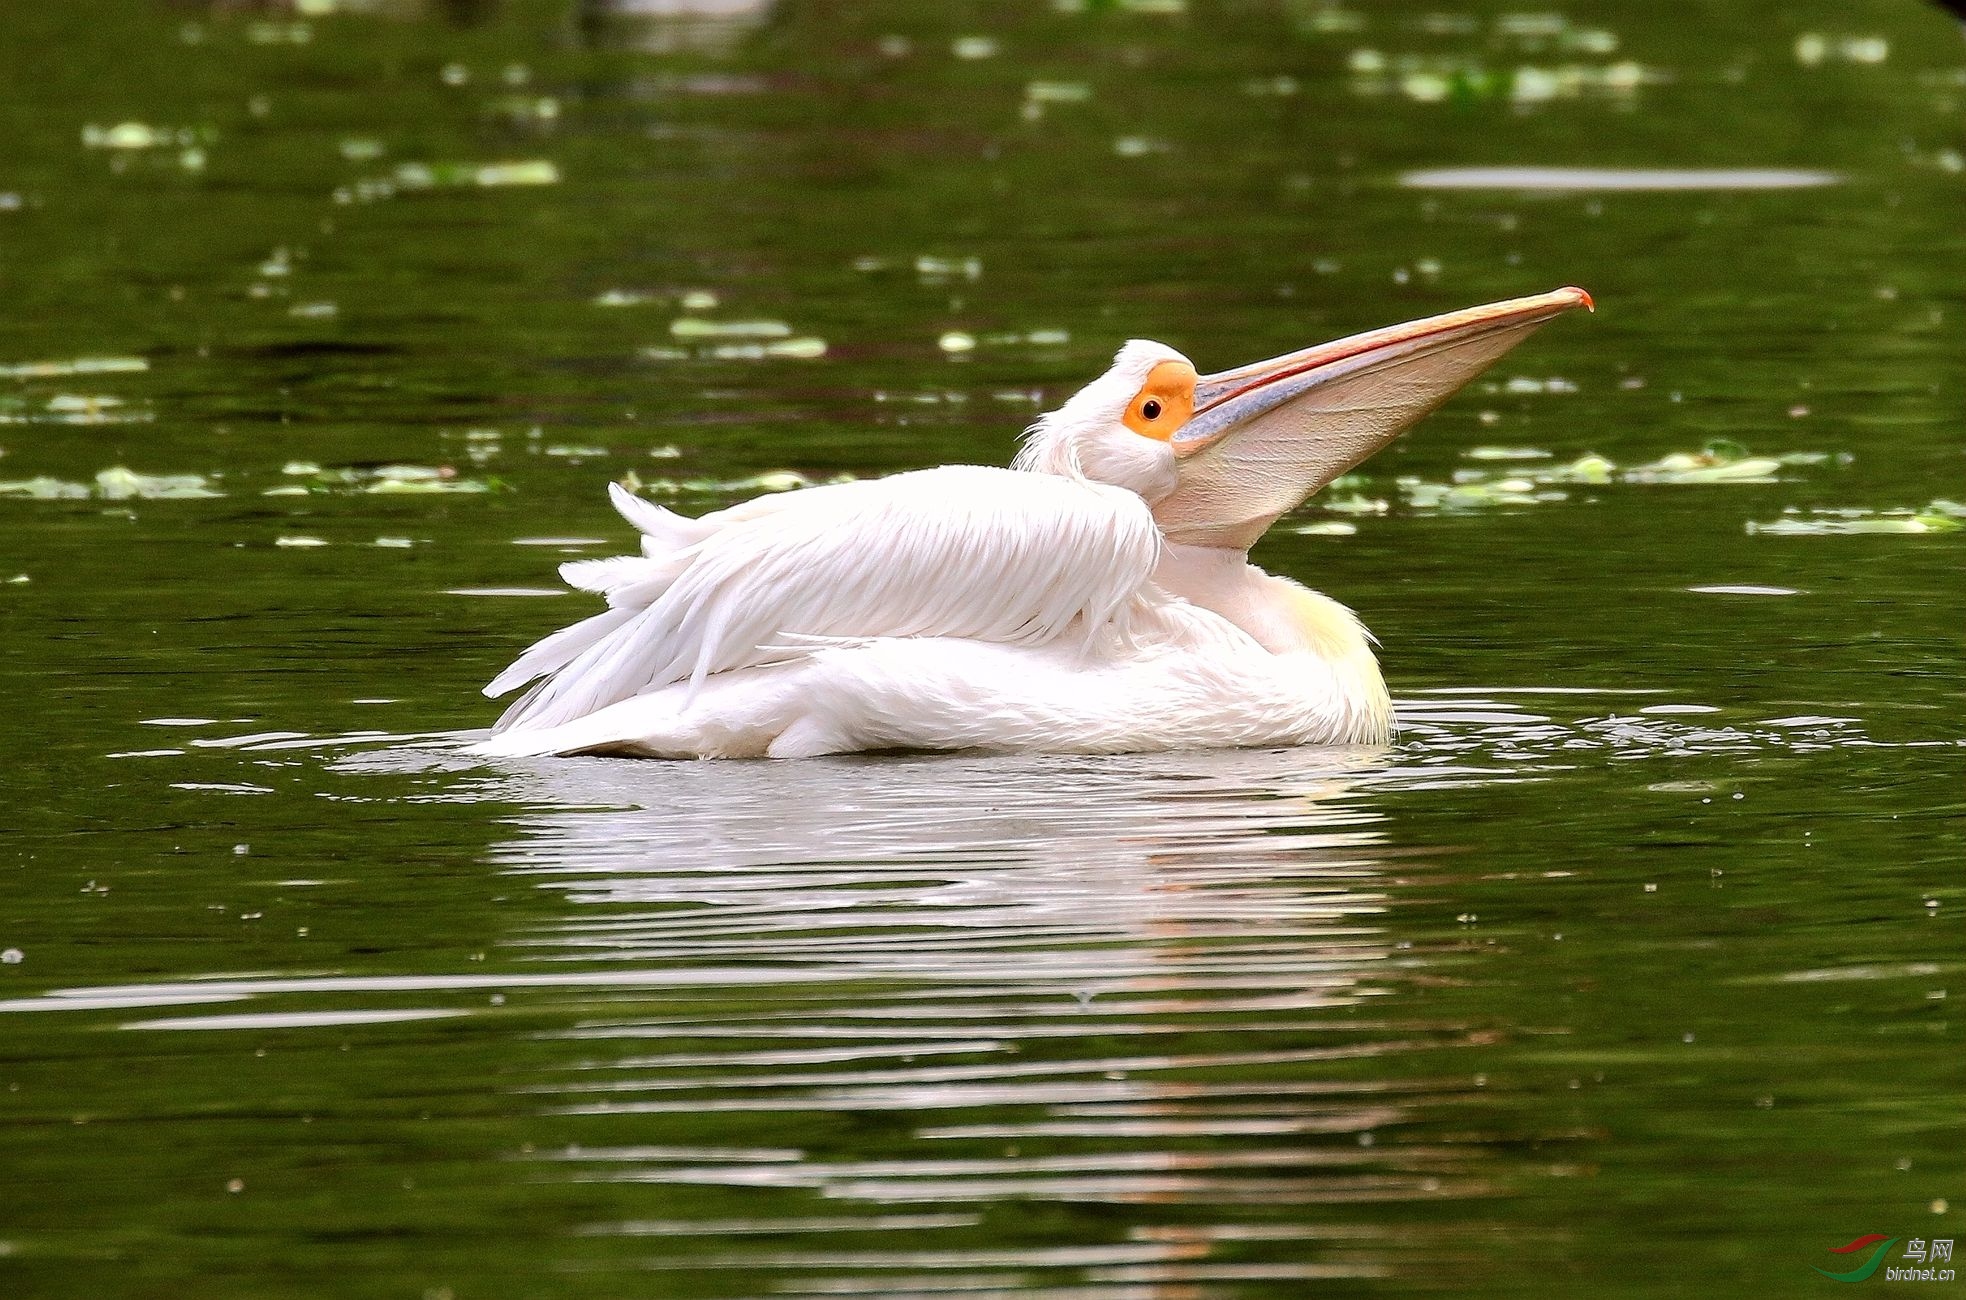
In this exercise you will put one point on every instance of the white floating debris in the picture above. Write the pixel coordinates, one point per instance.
(294, 541)
(975, 47)
(1743, 589)
(955, 342)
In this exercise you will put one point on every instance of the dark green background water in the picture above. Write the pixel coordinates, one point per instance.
(1629, 970)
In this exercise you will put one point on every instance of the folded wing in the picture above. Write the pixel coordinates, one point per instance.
(986, 554)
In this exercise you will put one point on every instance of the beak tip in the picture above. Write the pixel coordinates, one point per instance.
(1583, 297)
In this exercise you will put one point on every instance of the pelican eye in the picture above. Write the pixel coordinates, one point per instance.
(1164, 402)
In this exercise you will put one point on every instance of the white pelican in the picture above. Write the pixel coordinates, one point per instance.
(1095, 598)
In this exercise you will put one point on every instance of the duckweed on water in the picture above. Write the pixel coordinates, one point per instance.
(941, 270)
(775, 480)
(133, 136)
(737, 340)
(73, 408)
(1940, 516)
(1357, 504)
(423, 176)
(382, 480)
(1526, 484)
(1038, 95)
(117, 483)
(415, 176)
(1519, 481)
(45, 488)
(76, 366)
(1561, 60)
(694, 327)
(798, 349)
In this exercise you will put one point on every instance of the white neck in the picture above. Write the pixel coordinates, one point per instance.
(1284, 617)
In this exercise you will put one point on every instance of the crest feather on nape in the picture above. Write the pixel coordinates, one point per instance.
(1051, 443)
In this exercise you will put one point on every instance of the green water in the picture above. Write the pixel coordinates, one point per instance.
(1628, 970)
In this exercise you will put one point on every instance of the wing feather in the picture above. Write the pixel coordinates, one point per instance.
(963, 551)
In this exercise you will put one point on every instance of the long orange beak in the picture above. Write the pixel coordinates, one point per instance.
(1264, 437)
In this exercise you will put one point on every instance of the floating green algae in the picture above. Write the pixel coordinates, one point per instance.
(74, 366)
(775, 480)
(1520, 484)
(380, 480)
(1939, 516)
(117, 483)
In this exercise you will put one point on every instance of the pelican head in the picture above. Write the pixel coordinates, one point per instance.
(1220, 457)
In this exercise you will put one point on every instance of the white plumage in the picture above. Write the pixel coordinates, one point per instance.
(1040, 608)
(964, 552)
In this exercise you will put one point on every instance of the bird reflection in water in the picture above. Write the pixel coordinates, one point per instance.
(961, 1002)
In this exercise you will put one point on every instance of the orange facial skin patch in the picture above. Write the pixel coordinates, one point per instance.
(1164, 403)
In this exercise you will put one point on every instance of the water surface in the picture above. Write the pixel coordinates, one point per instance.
(1625, 970)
